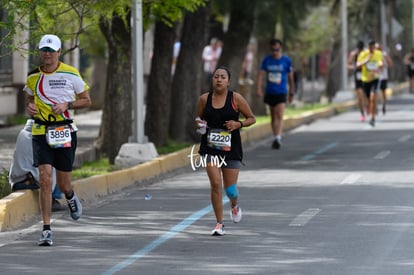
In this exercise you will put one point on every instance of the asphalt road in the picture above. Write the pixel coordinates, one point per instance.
(336, 199)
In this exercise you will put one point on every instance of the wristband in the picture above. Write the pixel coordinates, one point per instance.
(241, 124)
(70, 105)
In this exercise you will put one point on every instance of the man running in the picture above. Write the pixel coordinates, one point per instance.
(370, 60)
(279, 87)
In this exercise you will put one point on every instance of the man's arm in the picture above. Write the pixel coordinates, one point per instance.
(259, 82)
(83, 101)
(30, 105)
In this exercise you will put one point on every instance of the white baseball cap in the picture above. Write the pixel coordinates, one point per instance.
(51, 41)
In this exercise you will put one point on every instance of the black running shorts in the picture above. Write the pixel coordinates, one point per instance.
(61, 158)
(272, 100)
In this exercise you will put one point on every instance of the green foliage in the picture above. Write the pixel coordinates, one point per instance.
(16, 120)
(316, 33)
(76, 20)
(5, 189)
(169, 11)
(172, 146)
(292, 110)
(281, 18)
(88, 169)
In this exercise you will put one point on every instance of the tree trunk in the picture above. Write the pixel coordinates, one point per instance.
(184, 97)
(237, 37)
(159, 85)
(257, 104)
(334, 71)
(99, 70)
(116, 117)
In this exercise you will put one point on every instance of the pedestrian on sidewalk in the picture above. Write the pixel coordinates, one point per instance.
(218, 116)
(54, 90)
(280, 87)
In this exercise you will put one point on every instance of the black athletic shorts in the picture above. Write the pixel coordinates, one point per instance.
(61, 158)
(410, 72)
(273, 100)
(383, 84)
(371, 87)
(358, 84)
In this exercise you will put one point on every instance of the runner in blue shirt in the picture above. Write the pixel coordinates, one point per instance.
(279, 87)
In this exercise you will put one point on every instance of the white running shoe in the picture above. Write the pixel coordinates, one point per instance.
(236, 214)
(218, 230)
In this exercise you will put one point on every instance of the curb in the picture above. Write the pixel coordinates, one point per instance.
(21, 207)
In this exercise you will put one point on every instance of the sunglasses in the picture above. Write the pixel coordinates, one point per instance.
(275, 49)
(47, 49)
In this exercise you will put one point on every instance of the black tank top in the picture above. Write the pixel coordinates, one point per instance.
(216, 119)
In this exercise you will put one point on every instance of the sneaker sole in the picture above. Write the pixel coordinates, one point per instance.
(235, 220)
(45, 243)
(74, 217)
(215, 233)
(275, 145)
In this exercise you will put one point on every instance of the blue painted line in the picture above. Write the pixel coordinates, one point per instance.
(164, 238)
(320, 151)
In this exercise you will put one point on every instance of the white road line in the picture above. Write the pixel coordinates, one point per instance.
(382, 154)
(404, 138)
(304, 217)
(351, 179)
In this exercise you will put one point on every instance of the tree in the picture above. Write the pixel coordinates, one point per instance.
(157, 118)
(159, 85)
(116, 113)
(237, 37)
(185, 88)
(70, 19)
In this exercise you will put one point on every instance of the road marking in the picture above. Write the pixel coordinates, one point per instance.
(303, 218)
(162, 239)
(351, 179)
(320, 151)
(382, 154)
(404, 138)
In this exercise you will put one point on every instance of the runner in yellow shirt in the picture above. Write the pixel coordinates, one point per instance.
(370, 62)
(54, 90)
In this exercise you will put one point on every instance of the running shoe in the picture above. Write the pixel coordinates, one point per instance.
(362, 118)
(75, 207)
(218, 230)
(372, 122)
(236, 214)
(383, 109)
(46, 239)
(276, 144)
